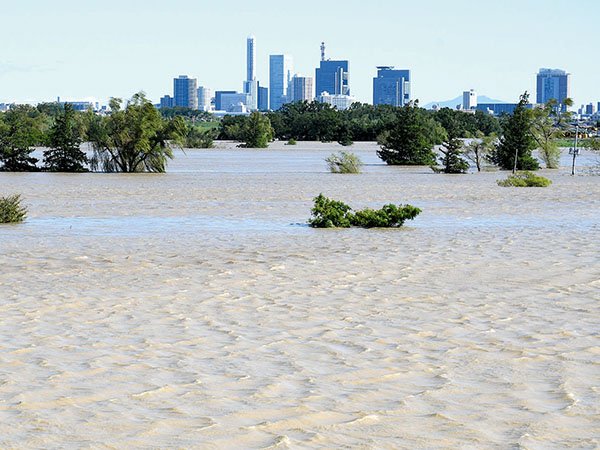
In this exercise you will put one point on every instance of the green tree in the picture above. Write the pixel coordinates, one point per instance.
(257, 131)
(411, 138)
(20, 130)
(516, 144)
(547, 124)
(197, 138)
(64, 154)
(478, 150)
(134, 139)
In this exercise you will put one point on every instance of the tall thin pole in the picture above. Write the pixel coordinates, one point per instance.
(575, 149)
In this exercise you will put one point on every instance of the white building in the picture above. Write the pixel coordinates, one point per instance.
(300, 89)
(204, 98)
(340, 101)
(469, 100)
(231, 101)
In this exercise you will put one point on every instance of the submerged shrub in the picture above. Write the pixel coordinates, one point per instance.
(334, 214)
(11, 210)
(291, 142)
(344, 163)
(525, 179)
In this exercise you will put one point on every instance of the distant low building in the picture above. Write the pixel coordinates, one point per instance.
(263, 98)
(231, 101)
(218, 96)
(340, 101)
(499, 108)
(166, 101)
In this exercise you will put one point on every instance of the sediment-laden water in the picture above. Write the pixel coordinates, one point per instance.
(195, 309)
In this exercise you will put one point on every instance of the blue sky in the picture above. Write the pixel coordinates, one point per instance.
(81, 49)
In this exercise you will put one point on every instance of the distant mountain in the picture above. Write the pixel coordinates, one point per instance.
(458, 100)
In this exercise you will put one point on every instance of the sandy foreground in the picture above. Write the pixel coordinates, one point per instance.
(196, 309)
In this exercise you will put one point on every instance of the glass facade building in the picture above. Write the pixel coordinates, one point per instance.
(332, 76)
(218, 96)
(184, 92)
(263, 98)
(553, 83)
(391, 86)
(300, 89)
(280, 74)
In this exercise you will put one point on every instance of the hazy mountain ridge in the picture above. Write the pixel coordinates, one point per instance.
(458, 101)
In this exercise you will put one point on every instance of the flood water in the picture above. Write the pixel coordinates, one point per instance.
(196, 309)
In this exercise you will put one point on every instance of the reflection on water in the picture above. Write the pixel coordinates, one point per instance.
(196, 309)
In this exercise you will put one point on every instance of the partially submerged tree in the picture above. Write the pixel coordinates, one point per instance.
(451, 150)
(548, 123)
(257, 131)
(19, 132)
(344, 163)
(64, 154)
(411, 138)
(513, 152)
(134, 139)
(11, 210)
(478, 150)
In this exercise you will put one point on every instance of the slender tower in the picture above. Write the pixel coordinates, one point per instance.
(251, 58)
(322, 51)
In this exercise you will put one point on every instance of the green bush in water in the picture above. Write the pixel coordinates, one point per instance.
(11, 210)
(334, 214)
(525, 179)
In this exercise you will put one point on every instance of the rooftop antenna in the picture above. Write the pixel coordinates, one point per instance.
(322, 51)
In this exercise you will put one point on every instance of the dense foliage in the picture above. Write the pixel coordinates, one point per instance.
(547, 125)
(11, 210)
(328, 213)
(517, 142)
(524, 179)
(257, 131)
(199, 138)
(452, 150)
(134, 139)
(343, 162)
(20, 130)
(411, 137)
(64, 140)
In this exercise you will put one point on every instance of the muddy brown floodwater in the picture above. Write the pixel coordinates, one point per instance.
(196, 309)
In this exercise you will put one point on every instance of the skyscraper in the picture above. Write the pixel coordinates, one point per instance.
(184, 92)
(553, 83)
(391, 86)
(250, 58)
(280, 74)
(251, 84)
(300, 89)
(332, 76)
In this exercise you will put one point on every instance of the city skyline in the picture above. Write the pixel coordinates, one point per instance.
(498, 54)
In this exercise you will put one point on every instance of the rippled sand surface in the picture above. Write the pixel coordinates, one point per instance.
(196, 309)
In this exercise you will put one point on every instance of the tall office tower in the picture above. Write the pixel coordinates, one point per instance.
(553, 83)
(184, 92)
(280, 74)
(263, 98)
(391, 86)
(204, 98)
(332, 75)
(469, 100)
(251, 84)
(300, 89)
(590, 109)
(250, 58)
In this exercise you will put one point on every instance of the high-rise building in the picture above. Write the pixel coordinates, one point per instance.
(332, 75)
(553, 83)
(204, 98)
(280, 74)
(590, 109)
(251, 84)
(184, 92)
(469, 100)
(263, 98)
(391, 86)
(300, 89)
(250, 58)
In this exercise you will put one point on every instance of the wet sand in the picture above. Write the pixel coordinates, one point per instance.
(196, 309)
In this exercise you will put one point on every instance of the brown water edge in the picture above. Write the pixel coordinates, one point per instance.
(194, 310)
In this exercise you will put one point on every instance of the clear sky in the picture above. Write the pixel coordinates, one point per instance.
(83, 49)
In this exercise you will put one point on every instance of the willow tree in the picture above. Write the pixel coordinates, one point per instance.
(135, 138)
(548, 124)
